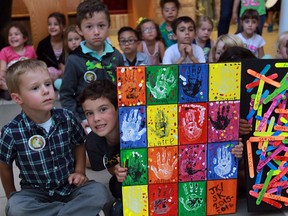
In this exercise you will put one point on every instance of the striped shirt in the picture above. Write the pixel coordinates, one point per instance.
(45, 160)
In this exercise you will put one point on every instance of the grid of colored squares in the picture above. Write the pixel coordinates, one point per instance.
(176, 136)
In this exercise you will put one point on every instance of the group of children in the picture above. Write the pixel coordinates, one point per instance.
(48, 144)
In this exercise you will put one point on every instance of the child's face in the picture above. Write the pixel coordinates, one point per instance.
(219, 50)
(249, 26)
(54, 27)
(101, 116)
(36, 93)
(282, 52)
(16, 38)
(185, 33)
(95, 30)
(204, 31)
(149, 31)
(169, 12)
(73, 40)
(128, 42)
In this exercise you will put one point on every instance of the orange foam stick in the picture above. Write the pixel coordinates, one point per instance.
(275, 197)
(266, 200)
(256, 83)
(280, 110)
(281, 158)
(281, 128)
(266, 138)
(250, 159)
(264, 78)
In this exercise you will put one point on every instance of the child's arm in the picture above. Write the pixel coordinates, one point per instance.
(237, 151)
(118, 171)
(260, 52)
(161, 50)
(244, 127)
(3, 67)
(189, 53)
(6, 174)
(235, 11)
(78, 178)
(181, 48)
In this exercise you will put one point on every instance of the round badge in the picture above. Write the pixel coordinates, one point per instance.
(37, 142)
(90, 76)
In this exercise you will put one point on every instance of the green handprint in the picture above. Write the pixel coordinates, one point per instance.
(136, 168)
(165, 83)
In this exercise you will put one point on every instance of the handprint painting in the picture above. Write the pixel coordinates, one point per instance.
(132, 127)
(224, 81)
(162, 84)
(135, 200)
(192, 163)
(193, 83)
(223, 121)
(192, 198)
(221, 164)
(162, 125)
(163, 165)
(136, 162)
(163, 199)
(192, 123)
(131, 86)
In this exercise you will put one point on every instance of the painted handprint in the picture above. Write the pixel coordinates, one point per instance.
(192, 199)
(165, 83)
(222, 120)
(161, 124)
(131, 126)
(161, 205)
(136, 169)
(190, 126)
(165, 165)
(192, 87)
(130, 85)
(133, 198)
(223, 162)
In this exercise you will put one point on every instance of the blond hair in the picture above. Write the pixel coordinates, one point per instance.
(282, 38)
(229, 40)
(19, 68)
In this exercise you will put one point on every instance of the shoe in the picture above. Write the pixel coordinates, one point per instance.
(101, 213)
(117, 208)
(270, 28)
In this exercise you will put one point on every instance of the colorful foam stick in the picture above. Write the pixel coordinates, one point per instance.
(266, 200)
(278, 177)
(266, 138)
(264, 188)
(263, 72)
(258, 95)
(264, 78)
(256, 83)
(270, 127)
(261, 164)
(279, 110)
(277, 91)
(250, 159)
(281, 128)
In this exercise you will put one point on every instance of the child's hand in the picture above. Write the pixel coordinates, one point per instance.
(182, 50)
(237, 151)
(77, 179)
(244, 127)
(120, 172)
(189, 50)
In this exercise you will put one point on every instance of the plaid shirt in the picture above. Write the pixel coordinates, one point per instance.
(49, 168)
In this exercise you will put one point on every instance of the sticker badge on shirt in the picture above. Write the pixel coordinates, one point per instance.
(90, 76)
(36, 142)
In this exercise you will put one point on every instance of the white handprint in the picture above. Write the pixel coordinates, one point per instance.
(131, 126)
(224, 160)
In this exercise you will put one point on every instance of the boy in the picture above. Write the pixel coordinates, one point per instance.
(47, 145)
(128, 39)
(169, 10)
(94, 59)
(100, 105)
(184, 51)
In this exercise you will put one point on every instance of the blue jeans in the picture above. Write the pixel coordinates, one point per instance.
(226, 7)
(87, 199)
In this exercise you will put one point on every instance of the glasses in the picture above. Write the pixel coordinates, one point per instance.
(150, 29)
(129, 41)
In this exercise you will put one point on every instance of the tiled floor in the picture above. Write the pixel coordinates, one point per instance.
(8, 110)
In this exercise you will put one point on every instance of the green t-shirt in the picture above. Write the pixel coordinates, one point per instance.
(258, 5)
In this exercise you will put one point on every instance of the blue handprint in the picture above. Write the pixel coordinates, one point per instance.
(131, 126)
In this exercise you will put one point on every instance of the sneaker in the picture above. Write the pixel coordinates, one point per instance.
(270, 28)
(117, 208)
(101, 213)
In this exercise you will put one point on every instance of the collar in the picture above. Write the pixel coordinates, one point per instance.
(107, 49)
